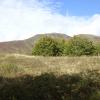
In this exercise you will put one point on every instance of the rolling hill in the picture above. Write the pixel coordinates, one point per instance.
(90, 37)
(25, 46)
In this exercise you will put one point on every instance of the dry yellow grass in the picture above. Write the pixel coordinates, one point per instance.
(37, 65)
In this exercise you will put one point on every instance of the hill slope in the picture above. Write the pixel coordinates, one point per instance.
(90, 37)
(25, 46)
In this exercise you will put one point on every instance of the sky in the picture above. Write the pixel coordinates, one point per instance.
(21, 19)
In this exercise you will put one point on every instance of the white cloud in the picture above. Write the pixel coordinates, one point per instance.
(21, 19)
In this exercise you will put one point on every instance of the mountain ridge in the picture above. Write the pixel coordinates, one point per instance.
(25, 46)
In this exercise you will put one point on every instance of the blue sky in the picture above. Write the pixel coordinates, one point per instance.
(21, 19)
(80, 7)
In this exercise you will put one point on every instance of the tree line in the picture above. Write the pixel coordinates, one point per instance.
(76, 46)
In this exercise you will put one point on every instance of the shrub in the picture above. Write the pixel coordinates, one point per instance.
(47, 46)
(78, 46)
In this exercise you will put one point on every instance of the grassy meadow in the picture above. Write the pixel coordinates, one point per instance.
(24, 77)
(16, 64)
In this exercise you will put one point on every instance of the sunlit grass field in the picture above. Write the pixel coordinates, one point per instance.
(24, 77)
(12, 65)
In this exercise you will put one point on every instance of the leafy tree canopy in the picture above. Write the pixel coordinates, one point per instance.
(76, 46)
(79, 46)
(47, 46)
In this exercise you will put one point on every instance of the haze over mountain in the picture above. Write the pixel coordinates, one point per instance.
(25, 46)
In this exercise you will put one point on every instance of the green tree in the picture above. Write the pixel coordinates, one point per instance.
(78, 46)
(47, 46)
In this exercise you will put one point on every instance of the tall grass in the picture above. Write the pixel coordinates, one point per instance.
(25, 77)
(60, 65)
(10, 70)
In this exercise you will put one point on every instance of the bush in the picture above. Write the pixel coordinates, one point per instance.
(78, 46)
(47, 46)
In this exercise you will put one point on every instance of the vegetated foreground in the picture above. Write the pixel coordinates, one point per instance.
(25, 77)
(36, 65)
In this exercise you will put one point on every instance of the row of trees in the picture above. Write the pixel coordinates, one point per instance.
(76, 46)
